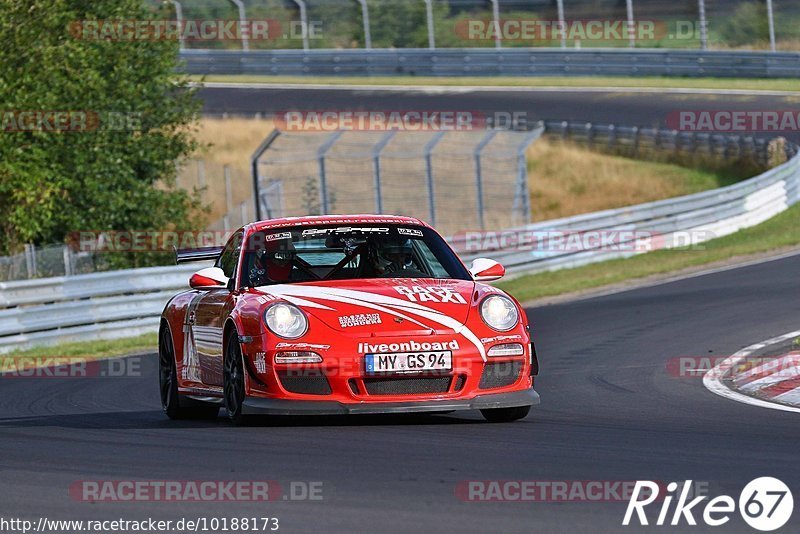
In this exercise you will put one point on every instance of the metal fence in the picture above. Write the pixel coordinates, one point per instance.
(660, 143)
(454, 180)
(495, 62)
(436, 24)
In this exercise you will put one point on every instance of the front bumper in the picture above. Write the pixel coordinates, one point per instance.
(263, 406)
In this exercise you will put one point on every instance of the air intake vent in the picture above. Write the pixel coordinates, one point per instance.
(407, 386)
(309, 385)
(500, 374)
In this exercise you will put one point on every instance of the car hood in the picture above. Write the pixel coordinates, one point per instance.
(382, 307)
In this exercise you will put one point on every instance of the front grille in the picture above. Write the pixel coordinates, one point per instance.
(310, 384)
(500, 374)
(407, 386)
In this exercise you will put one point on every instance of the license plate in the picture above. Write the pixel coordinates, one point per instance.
(409, 362)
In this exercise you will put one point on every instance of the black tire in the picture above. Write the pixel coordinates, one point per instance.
(233, 381)
(175, 406)
(505, 415)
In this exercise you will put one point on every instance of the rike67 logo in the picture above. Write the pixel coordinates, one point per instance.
(765, 504)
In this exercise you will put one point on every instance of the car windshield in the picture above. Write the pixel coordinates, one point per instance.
(338, 252)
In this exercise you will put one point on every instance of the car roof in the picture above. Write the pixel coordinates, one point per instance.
(335, 219)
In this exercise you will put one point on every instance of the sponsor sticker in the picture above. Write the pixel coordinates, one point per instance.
(488, 340)
(430, 294)
(361, 319)
(409, 232)
(278, 236)
(407, 346)
(301, 346)
(344, 230)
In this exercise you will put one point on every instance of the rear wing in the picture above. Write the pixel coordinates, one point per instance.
(186, 255)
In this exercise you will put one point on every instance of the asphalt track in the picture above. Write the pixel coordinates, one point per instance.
(620, 106)
(610, 411)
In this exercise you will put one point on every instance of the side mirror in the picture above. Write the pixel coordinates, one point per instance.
(208, 278)
(486, 270)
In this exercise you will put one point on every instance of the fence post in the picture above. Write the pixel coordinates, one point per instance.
(522, 195)
(67, 261)
(228, 188)
(771, 22)
(243, 24)
(431, 30)
(498, 39)
(263, 147)
(376, 165)
(243, 211)
(365, 17)
(562, 24)
(701, 9)
(612, 136)
(201, 173)
(303, 21)
(631, 22)
(479, 175)
(179, 20)
(30, 260)
(323, 182)
(429, 146)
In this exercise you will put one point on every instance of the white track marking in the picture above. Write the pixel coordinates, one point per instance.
(713, 381)
(453, 89)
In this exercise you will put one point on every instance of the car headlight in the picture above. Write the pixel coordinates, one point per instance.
(286, 321)
(499, 312)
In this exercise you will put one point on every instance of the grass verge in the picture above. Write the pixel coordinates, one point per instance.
(658, 82)
(778, 232)
(89, 350)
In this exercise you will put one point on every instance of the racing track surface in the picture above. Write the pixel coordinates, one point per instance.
(602, 106)
(609, 412)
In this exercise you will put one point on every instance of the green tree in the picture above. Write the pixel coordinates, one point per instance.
(119, 172)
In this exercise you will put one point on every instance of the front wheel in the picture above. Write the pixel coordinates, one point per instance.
(233, 381)
(505, 415)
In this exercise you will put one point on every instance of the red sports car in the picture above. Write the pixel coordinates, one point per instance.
(343, 315)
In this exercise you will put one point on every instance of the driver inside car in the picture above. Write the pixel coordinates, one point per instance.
(272, 264)
(393, 256)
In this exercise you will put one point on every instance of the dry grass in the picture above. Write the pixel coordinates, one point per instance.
(225, 142)
(567, 180)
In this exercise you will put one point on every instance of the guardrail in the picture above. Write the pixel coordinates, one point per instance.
(686, 220)
(89, 306)
(494, 62)
(129, 302)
